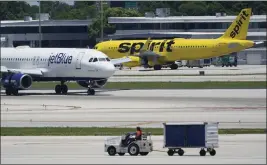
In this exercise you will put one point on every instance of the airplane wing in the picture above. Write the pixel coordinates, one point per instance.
(120, 60)
(32, 72)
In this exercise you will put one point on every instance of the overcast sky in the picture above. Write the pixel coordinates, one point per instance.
(32, 2)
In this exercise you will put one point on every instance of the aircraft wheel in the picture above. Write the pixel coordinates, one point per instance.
(8, 92)
(174, 66)
(15, 92)
(64, 89)
(91, 91)
(157, 67)
(58, 89)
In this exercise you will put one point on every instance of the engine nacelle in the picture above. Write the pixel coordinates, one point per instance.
(94, 84)
(17, 80)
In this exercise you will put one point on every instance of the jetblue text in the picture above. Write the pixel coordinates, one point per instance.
(60, 58)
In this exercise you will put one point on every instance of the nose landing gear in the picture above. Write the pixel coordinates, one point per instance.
(90, 90)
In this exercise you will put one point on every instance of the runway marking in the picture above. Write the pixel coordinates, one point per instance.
(45, 106)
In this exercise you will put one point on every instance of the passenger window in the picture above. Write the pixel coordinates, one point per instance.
(91, 59)
(107, 59)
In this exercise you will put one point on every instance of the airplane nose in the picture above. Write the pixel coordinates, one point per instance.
(108, 69)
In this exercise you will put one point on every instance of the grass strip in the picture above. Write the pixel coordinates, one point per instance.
(99, 131)
(163, 85)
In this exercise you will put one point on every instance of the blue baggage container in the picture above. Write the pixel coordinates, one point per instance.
(191, 135)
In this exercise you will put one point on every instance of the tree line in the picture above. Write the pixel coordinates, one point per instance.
(15, 10)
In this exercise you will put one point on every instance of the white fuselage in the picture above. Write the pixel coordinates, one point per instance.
(59, 62)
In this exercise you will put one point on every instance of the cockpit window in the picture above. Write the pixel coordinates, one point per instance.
(107, 59)
(101, 59)
(91, 59)
(95, 60)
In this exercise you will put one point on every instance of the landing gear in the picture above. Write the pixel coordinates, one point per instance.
(91, 91)
(174, 66)
(157, 67)
(10, 91)
(63, 88)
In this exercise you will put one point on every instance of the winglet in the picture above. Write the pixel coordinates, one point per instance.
(239, 27)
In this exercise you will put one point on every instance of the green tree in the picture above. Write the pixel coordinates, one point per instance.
(94, 30)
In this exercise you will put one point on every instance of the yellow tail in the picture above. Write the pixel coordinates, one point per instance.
(239, 28)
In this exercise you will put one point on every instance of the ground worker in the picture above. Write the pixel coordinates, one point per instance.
(138, 133)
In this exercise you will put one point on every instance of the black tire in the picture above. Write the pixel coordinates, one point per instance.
(15, 92)
(170, 152)
(143, 153)
(121, 154)
(64, 89)
(112, 151)
(157, 67)
(91, 92)
(174, 66)
(133, 149)
(212, 152)
(8, 92)
(180, 152)
(202, 152)
(58, 89)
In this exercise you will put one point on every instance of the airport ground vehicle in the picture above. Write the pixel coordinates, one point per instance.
(119, 145)
(191, 135)
(227, 60)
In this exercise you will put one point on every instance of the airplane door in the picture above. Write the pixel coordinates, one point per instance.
(79, 60)
(37, 60)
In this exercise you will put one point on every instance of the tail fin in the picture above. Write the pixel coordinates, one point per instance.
(146, 45)
(239, 28)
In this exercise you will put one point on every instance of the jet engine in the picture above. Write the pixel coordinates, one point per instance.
(94, 83)
(17, 80)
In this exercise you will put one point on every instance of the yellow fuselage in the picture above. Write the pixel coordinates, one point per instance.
(179, 49)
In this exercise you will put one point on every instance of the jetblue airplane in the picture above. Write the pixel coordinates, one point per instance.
(23, 65)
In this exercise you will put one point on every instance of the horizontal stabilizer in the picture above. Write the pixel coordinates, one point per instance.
(258, 43)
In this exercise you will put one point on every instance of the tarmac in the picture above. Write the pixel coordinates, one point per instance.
(181, 78)
(233, 149)
(184, 74)
(212, 70)
(242, 108)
